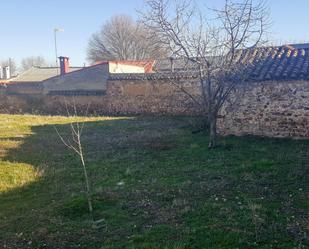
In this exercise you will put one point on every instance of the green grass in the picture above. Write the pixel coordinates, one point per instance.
(154, 182)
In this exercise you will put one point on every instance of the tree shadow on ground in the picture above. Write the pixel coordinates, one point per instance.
(51, 211)
(156, 185)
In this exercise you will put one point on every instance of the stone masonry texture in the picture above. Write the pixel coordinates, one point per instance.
(264, 108)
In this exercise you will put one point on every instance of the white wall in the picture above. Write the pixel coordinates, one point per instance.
(115, 67)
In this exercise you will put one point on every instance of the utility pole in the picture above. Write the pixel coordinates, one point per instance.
(55, 40)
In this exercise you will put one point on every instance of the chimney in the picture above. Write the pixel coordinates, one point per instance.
(7, 73)
(64, 65)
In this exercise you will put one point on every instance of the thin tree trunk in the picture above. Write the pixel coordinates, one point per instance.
(86, 181)
(212, 131)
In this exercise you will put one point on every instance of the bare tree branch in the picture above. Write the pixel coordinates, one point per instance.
(76, 132)
(33, 61)
(124, 39)
(212, 45)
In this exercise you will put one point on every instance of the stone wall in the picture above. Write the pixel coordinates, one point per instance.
(151, 97)
(122, 97)
(20, 98)
(28, 88)
(277, 109)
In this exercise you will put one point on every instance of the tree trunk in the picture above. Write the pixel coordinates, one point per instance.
(212, 131)
(88, 194)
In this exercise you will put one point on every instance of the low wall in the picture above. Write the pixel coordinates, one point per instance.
(28, 88)
(151, 97)
(121, 97)
(277, 109)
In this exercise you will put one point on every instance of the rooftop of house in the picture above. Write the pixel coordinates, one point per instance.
(299, 45)
(276, 63)
(38, 74)
(288, 62)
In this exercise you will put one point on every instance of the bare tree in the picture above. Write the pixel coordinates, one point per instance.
(74, 143)
(33, 61)
(211, 45)
(124, 39)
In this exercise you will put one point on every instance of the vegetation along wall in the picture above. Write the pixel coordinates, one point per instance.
(270, 108)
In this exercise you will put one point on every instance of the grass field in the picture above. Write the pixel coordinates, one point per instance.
(154, 182)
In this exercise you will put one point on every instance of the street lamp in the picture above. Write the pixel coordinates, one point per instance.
(55, 38)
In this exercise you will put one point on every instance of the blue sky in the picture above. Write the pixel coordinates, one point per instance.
(27, 25)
